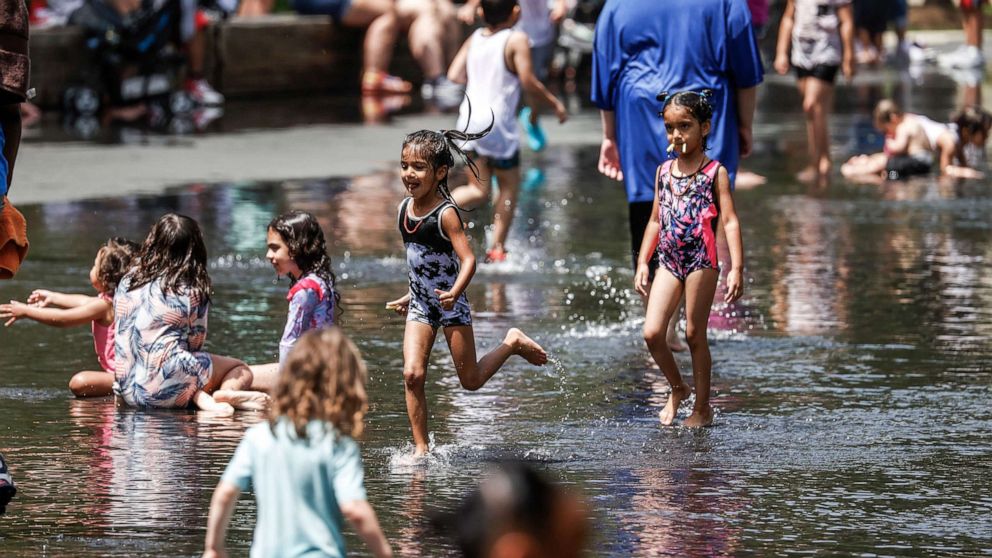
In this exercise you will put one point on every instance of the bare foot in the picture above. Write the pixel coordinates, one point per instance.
(699, 418)
(243, 400)
(219, 409)
(808, 174)
(420, 451)
(747, 180)
(526, 347)
(671, 409)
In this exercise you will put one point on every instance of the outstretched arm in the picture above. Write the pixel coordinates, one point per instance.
(95, 309)
(732, 228)
(518, 53)
(43, 298)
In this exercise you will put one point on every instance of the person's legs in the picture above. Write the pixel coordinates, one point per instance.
(473, 375)
(666, 292)
(477, 190)
(418, 339)
(230, 383)
(382, 22)
(505, 205)
(971, 22)
(639, 213)
(89, 383)
(425, 35)
(817, 105)
(700, 286)
(264, 377)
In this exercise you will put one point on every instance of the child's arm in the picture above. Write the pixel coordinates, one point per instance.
(400, 305)
(846, 16)
(558, 11)
(732, 228)
(898, 144)
(221, 507)
(301, 309)
(362, 517)
(457, 72)
(42, 298)
(95, 309)
(784, 45)
(518, 53)
(648, 245)
(451, 223)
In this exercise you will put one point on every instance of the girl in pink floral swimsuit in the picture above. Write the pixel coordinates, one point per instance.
(691, 192)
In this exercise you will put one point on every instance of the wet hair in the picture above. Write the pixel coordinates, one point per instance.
(174, 254)
(302, 234)
(885, 111)
(513, 497)
(495, 12)
(698, 103)
(114, 260)
(322, 379)
(972, 119)
(435, 147)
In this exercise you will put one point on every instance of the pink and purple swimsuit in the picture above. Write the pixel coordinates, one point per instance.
(687, 212)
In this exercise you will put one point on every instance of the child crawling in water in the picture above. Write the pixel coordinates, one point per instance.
(57, 309)
(914, 143)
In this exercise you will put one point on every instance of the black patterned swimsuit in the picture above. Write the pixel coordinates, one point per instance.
(433, 265)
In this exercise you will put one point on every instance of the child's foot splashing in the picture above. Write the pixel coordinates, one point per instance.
(691, 192)
(441, 266)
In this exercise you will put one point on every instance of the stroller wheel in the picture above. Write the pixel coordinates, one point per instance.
(181, 103)
(82, 100)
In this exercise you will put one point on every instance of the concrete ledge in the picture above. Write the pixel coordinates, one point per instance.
(245, 57)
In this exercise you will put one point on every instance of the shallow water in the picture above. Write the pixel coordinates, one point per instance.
(851, 382)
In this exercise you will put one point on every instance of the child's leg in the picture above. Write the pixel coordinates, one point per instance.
(264, 376)
(205, 402)
(476, 191)
(418, 339)
(971, 23)
(230, 382)
(818, 97)
(92, 384)
(505, 205)
(473, 375)
(700, 286)
(666, 293)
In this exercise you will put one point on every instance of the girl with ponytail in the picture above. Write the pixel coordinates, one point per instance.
(441, 266)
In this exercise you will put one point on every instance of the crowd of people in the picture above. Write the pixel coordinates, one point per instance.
(677, 118)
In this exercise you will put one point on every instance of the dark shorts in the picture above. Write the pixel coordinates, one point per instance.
(822, 72)
(511, 162)
(541, 60)
(334, 8)
(904, 166)
(639, 216)
(873, 15)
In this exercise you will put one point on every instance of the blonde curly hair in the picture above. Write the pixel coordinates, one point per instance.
(323, 379)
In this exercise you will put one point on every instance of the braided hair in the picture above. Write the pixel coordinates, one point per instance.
(303, 236)
(435, 148)
(698, 103)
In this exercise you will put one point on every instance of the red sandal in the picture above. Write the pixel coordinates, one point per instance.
(376, 81)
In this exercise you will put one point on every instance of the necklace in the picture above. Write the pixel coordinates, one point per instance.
(689, 183)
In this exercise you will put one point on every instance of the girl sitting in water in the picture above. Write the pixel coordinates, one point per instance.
(441, 266)
(56, 309)
(296, 249)
(303, 464)
(691, 193)
(160, 312)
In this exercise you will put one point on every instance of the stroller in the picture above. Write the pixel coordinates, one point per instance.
(575, 38)
(137, 56)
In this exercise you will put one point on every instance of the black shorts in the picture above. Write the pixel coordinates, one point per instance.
(639, 217)
(873, 15)
(905, 166)
(822, 72)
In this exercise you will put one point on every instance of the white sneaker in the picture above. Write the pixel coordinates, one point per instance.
(919, 54)
(966, 57)
(447, 94)
(202, 93)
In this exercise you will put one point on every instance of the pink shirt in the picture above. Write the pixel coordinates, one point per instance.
(103, 339)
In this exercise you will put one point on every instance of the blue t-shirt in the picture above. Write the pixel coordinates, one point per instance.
(644, 47)
(299, 485)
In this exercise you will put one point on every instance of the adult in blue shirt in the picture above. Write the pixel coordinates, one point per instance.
(644, 47)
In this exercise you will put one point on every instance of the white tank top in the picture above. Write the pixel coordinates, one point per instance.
(932, 129)
(491, 86)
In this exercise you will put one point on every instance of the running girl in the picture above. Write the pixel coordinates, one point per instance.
(303, 464)
(296, 248)
(56, 309)
(160, 312)
(691, 192)
(441, 266)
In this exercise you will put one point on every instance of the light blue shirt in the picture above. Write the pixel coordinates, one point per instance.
(299, 485)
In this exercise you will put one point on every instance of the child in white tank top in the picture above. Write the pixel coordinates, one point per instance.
(495, 64)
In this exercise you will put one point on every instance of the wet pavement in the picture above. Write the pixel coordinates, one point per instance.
(851, 381)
